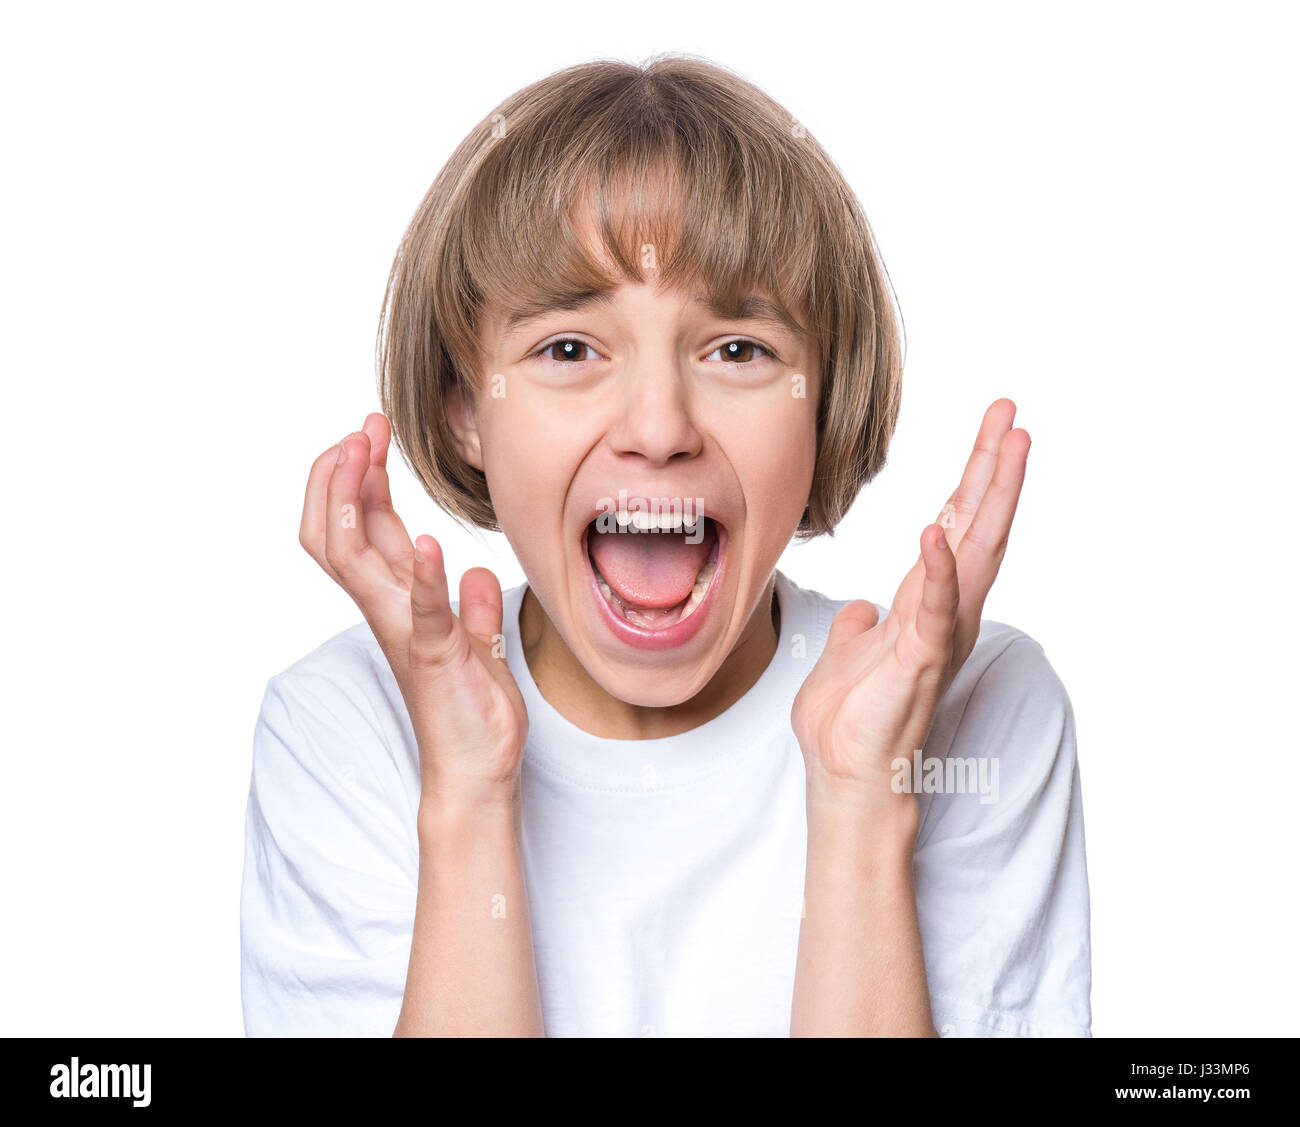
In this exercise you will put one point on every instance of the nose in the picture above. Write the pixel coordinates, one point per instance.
(654, 419)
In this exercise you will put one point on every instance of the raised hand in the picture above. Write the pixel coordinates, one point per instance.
(873, 693)
(465, 708)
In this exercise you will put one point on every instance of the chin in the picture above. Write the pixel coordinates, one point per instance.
(659, 688)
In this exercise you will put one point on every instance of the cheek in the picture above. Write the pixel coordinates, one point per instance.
(775, 453)
(529, 457)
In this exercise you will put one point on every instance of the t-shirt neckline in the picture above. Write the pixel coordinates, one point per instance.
(563, 750)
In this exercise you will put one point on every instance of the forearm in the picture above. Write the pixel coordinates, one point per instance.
(471, 971)
(860, 969)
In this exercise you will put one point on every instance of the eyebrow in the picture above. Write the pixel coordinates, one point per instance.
(749, 308)
(540, 306)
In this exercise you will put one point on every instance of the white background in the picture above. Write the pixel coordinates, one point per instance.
(1090, 208)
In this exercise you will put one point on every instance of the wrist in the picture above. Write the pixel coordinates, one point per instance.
(447, 805)
(869, 812)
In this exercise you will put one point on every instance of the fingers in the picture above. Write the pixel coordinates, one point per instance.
(979, 555)
(311, 532)
(379, 432)
(480, 604)
(980, 467)
(936, 617)
(358, 566)
(964, 501)
(384, 528)
(433, 639)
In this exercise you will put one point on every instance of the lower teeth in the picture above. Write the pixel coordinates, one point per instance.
(649, 617)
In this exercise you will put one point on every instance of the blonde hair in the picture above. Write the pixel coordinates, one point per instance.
(683, 156)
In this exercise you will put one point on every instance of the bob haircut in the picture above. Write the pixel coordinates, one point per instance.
(679, 158)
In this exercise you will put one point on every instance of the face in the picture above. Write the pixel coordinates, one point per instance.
(648, 462)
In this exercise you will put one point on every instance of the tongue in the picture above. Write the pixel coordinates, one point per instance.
(648, 569)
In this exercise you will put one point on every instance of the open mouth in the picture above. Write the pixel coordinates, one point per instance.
(654, 574)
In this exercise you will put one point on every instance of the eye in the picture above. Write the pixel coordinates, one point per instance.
(567, 350)
(740, 352)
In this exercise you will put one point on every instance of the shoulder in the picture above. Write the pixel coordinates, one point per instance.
(335, 709)
(350, 658)
(331, 858)
(1006, 721)
(1005, 659)
(1006, 700)
(1000, 857)
(1007, 684)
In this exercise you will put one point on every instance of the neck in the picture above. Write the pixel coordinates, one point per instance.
(572, 692)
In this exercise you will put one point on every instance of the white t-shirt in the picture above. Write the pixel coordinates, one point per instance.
(665, 876)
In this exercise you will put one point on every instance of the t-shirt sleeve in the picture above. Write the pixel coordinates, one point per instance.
(1001, 875)
(329, 879)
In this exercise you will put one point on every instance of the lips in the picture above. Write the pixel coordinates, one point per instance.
(653, 580)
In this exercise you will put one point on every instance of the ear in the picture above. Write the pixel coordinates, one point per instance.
(463, 420)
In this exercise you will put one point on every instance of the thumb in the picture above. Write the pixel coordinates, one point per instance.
(854, 619)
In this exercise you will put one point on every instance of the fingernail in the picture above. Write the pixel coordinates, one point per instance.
(343, 451)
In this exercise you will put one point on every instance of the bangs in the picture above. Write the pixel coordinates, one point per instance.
(644, 184)
(678, 173)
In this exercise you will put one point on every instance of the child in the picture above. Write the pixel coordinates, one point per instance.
(639, 324)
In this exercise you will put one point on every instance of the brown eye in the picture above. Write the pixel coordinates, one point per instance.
(742, 351)
(563, 350)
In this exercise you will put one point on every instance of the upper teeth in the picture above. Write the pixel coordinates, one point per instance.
(662, 522)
